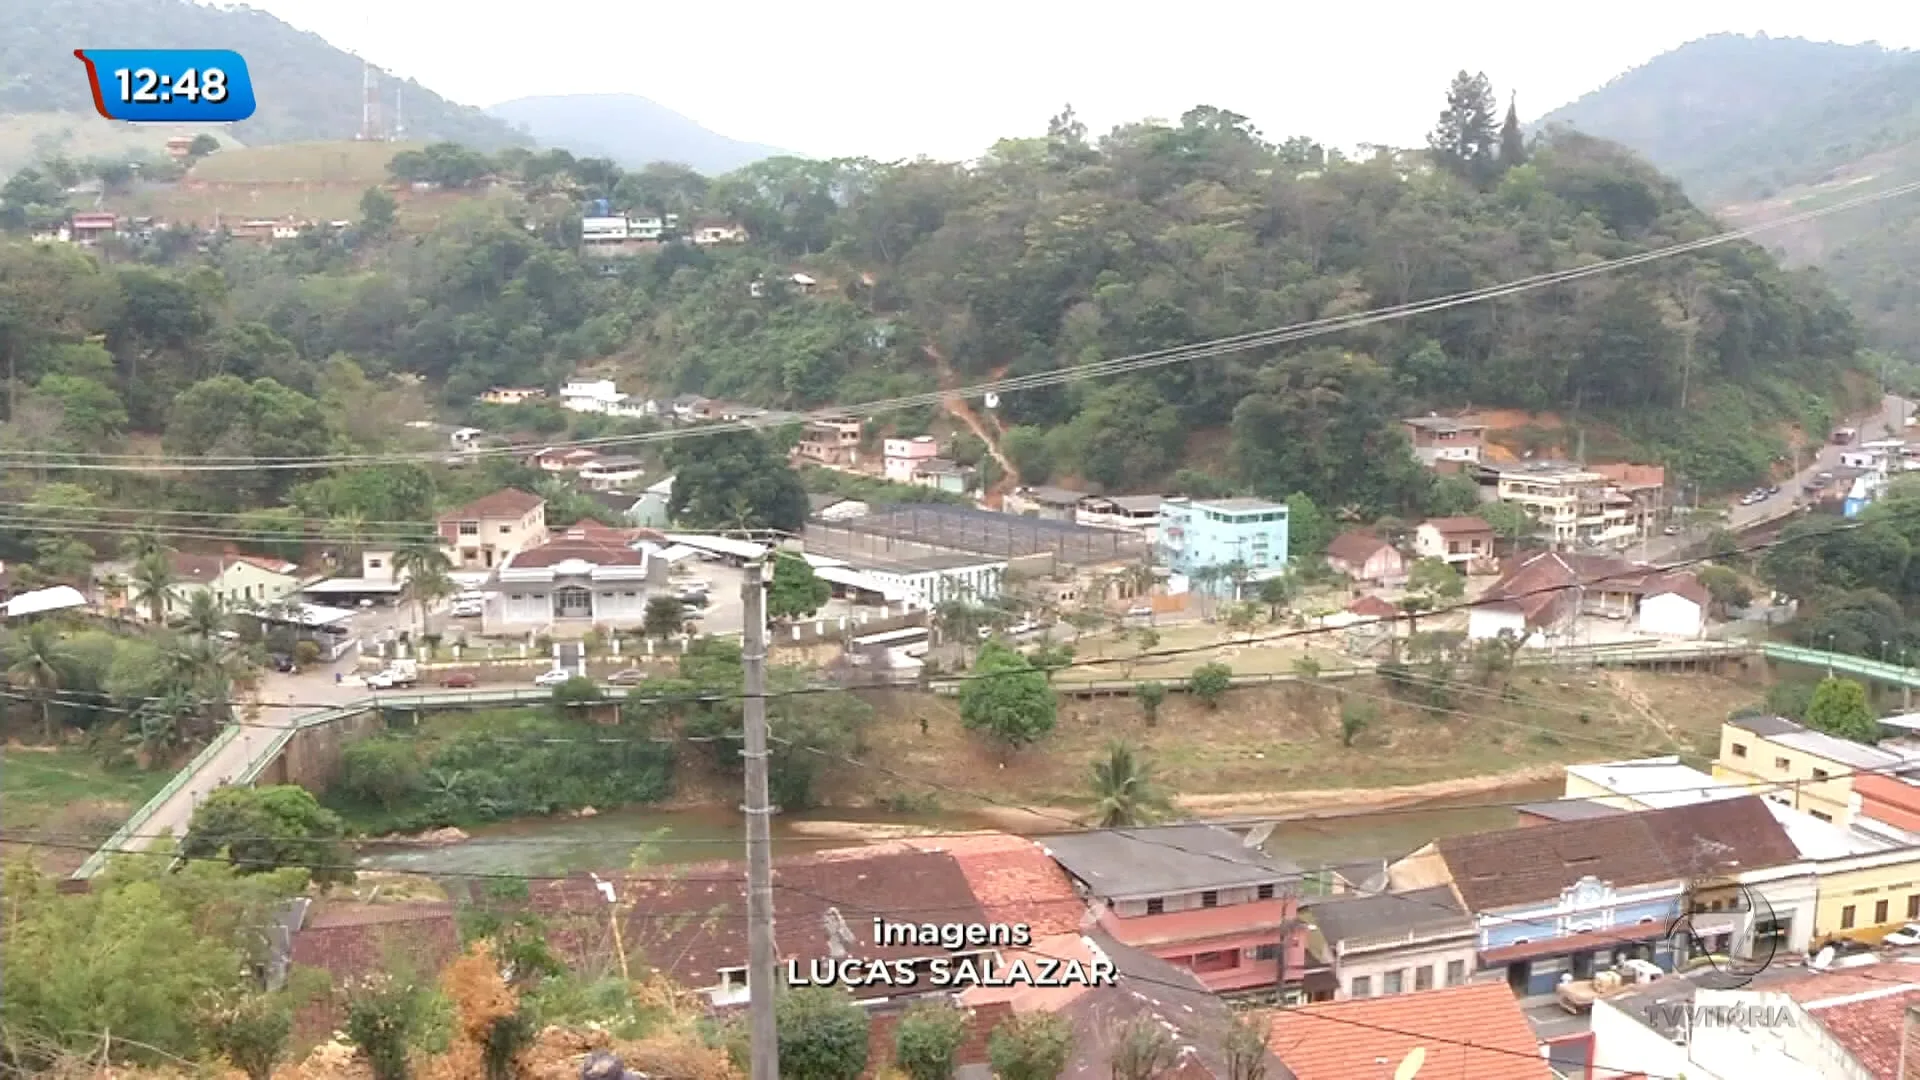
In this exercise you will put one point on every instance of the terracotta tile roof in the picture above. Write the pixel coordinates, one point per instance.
(352, 940)
(505, 503)
(1465, 525)
(1631, 477)
(1373, 607)
(1342, 1040)
(1527, 581)
(691, 920)
(263, 562)
(1865, 1015)
(1355, 547)
(198, 569)
(1015, 881)
(1537, 862)
(1679, 584)
(1151, 990)
(587, 541)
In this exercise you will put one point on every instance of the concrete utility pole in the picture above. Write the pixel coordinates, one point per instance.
(765, 1048)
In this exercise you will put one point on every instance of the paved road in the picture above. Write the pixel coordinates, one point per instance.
(283, 698)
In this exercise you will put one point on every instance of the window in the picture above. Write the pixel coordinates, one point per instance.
(1819, 816)
(1913, 906)
(469, 528)
(1209, 899)
(1266, 952)
(505, 529)
(1739, 749)
(1880, 912)
(1264, 892)
(516, 597)
(1846, 917)
(1423, 977)
(1456, 972)
(1362, 986)
(1390, 983)
(629, 595)
(373, 564)
(1156, 906)
(1782, 764)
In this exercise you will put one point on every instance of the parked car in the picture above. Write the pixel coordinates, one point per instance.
(552, 678)
(459, 680)
(467, 610)
(1906, 935)
(1671, 530)
(627, 677)
(282, 662)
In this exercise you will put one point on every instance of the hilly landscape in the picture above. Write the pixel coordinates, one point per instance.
(629, 130)
(308, 90)
(1759, 128)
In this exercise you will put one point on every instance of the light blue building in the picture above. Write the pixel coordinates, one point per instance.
(1575, 897)
(1196, 534)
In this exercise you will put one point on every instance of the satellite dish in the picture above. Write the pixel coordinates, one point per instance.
(1410, 1065)
(1258, 836)
(1822, 960)
(993, 400)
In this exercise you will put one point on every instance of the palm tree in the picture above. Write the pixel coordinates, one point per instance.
(424, 564)
(1124, 789)
(349, 531)
(206, 615)
(206, 669)
(157, 723)
(152, 579)
(427, 586)
(36, 667)
(143, 542)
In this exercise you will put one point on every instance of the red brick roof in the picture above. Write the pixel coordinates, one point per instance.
(1014, 881)
(1542, 582)
(1373, 607)
(505, 503)
(1264, 917)
(691, 921)
(263, 562)
(1864, 1014)
(188, 566)
(348, 941)
(1342, 1040)
(1630, 477)
(1679, 584)
(1504, 867)
(1464, 525)
(1355, 547)
(587, 541)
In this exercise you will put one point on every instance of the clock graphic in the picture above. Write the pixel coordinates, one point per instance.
(169, 86)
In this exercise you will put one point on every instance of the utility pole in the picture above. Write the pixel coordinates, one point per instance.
(765, 1048)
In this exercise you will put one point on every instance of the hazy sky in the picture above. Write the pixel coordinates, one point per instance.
(899, 79)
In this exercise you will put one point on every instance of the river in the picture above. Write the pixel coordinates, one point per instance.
(610, 840)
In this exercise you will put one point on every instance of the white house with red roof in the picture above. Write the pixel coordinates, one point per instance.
(586, 576)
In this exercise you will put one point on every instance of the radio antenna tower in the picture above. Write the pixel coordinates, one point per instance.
(399, 111)
(370, 130)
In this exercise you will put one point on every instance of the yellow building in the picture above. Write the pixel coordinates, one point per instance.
(1807, 770)
(1873, 896)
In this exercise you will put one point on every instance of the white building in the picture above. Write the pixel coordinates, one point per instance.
(903, 457)
(932, 580)
(1832, 1026)
(611, 473)
(1137, 514)
(591, 396)
(584, 577)
(1674, 605)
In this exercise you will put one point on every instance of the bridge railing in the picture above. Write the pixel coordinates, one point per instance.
(98, 860)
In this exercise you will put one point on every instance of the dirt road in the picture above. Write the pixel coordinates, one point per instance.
(958, 408)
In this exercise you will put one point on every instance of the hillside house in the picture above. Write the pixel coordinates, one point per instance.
(564, 459)
(512, 395)
(1577, 897)
(1445, 438)
(611, 473)
(90, 227)
(1366, 559)
(487, 531)
(1546, 595)
(1464, 543)
(833, 442)
(718, 231)
(941, 474)
(900, 457)
(590, 395)
(1197, 896)
(1201, 536)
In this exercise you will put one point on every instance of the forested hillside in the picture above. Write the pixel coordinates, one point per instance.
(306, 88)
(1052, 252)
(1763, 127)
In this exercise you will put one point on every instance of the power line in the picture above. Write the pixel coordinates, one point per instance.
(1118, 365)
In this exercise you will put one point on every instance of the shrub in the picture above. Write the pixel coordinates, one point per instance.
(928, 1038)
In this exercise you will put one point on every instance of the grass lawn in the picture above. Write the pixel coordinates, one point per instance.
(38, 787)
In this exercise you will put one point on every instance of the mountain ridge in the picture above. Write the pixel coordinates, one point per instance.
(630, 130)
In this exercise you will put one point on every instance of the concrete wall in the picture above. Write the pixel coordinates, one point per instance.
(312, 757)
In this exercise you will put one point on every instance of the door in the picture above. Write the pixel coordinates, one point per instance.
(572, 602)
(1583, 965)
(1518, 975)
